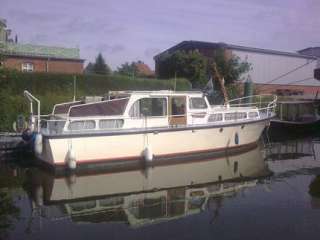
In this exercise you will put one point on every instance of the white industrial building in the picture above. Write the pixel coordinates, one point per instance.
(272, 71)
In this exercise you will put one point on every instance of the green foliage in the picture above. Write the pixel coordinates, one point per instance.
(196, 68)
(132, 70)
(231, 69)
(2, 58)
(99, 67)
(233, 91)
(55, 88)
(191, 65)
(89, 68)
(127, 69)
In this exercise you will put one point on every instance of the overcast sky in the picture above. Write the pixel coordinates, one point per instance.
(130, 30)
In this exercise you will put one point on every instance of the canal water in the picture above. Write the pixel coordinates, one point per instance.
(269, 192)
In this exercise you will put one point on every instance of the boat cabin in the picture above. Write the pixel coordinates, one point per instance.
(143, 109)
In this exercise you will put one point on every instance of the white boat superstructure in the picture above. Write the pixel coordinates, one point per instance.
(131, 125)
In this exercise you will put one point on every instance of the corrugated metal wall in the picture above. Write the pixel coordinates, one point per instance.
(266, 67)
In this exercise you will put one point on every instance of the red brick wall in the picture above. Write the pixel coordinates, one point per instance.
(40, 65)
(16, 63)
(65, 66)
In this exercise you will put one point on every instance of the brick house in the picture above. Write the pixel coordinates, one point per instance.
(280, 72)
(37, 58)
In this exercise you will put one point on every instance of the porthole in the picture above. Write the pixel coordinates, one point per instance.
(235, 167)
(236, 139)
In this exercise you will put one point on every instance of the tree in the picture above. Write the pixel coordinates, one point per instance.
(198, 68)
(138, 68)
(191, 65)
(127, 69)
(89, 68)
(2, 58)
(230, 68)
(100, 66)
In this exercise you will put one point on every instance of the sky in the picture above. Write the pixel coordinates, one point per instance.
(131, 30)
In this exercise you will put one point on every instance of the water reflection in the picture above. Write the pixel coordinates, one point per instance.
(153, 195)
(223, 198)
(314, 191)
(9, 213)
(291, 149)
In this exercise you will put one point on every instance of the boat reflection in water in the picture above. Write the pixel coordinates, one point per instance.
(153, 195)
(291, 149)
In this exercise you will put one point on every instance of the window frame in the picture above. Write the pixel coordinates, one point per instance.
(27, 67)
(84, 124)
(191, 105)
(118, 124)
(139, 102)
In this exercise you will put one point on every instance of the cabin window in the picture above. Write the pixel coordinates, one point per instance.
(80, 206)
(110, 123)
(215, 117)
(197, 103)
(241, 115)
(55, 126)
(253, 114)
(155, 107)
(114, 201)
(178, 106)
(27, 67)
(82, 125)
(235, 116)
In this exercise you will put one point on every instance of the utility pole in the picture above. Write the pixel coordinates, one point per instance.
(216, 73)
(74, 87)
(175, 80)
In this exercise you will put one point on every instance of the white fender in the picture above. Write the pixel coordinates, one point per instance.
(38, 144)
(148, 156)
(32, 122)
(39, 196)
(71, 159)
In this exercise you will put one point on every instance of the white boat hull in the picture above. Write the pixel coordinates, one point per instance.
(96, 148)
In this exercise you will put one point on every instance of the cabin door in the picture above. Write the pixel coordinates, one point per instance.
(177, 110)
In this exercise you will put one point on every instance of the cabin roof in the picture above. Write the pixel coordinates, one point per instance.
(156, 93)
(103, 108)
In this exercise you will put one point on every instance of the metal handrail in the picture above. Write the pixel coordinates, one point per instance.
(32, 98)
(252, 96)
(270, 104)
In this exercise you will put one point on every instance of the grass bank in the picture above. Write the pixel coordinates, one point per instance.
(54, 88)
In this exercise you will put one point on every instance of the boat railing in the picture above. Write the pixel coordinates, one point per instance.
(240, 109)
(58, 126)
(35, 123)
(265, 103)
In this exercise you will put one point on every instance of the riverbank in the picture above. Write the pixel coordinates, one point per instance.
(54, 88)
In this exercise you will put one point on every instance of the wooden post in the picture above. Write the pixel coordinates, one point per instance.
(216, 73)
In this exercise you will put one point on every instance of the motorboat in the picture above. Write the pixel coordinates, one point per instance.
(295, 117)
(130, 127)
